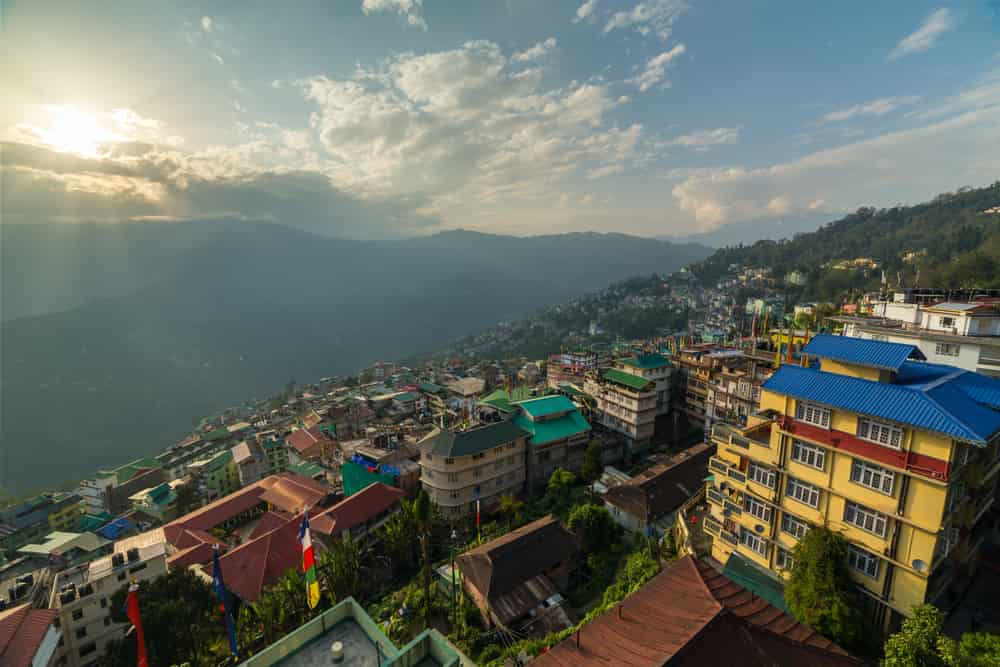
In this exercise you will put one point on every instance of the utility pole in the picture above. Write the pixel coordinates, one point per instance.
(454, 585)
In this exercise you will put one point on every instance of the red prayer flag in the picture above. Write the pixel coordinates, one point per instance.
(132, 611)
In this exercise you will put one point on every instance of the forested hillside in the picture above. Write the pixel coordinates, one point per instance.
(951, 241)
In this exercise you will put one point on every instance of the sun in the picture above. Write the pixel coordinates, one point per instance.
(73, 130)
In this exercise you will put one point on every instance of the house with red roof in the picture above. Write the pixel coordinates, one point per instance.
(28, 637)
(308, 444)
(358, 514)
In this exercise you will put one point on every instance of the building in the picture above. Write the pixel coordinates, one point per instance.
(696, 364)
(483, 462)
(653, 367)
(570, 367)
(647, 503)
(624, 403)
(65, 549)
(36, 517)
(215, 476)
(462, 394)
(962, 334)
(690, 615)
(311, 444)
(357, 515)
(109, 490)
(276, 454)
(515, 574)
(28, 637)
(897, 455)
(251, 462)
(82, 598)
(558, 437)
(734, 387)
(158, 502)
(795, 278)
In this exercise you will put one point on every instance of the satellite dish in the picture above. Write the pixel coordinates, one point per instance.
(919, 565)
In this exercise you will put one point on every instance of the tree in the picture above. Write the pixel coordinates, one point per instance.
(920, 642)
(594, 526)
(396, 536)
(560, 485)
(593, 464)
(820, 593)
(422, 516)
(511, 509)
(340, 568)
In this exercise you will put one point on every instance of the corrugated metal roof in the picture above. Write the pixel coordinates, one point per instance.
(627, 379)
(940, 407)
(546, 431)
(862, 351)
(646, 361)
(546, 405)
(474, 440)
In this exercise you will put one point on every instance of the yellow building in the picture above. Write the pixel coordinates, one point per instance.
(66, 513)
(898, 456)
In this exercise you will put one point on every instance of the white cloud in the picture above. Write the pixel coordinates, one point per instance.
(585, 12)
(704, 139)
(983, 95)
(907, 165)
(606, 170)
(217, 58)
(411, 9)
(655, 69)
(539, 50)
(878, 107)
(655, 17)
(939, 22)
(207, 24)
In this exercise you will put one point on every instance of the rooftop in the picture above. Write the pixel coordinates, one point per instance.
(546, 405)
(665, 486)
(862, 351)
(58, 542)
(473, 440)
(627, 379)
(646, 361)
(22, 631)
(549, 430)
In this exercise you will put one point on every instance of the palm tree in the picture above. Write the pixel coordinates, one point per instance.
(422, 516)
(510, 508)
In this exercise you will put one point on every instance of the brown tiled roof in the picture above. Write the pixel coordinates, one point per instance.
(664, 487)
(22, 630)
(269, 522)
(498, 567)
(258, 563)
(290, 492)
(354, 510)
(304, 440)
(690, 614)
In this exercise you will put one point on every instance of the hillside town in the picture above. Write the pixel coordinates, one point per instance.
(489, 506)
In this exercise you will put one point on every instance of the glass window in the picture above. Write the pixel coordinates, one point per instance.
(810, 455)
(873, 476)
(77, 614)
(783, 559)
(880, 433)
(753, 540)
(757, 509)
(863, 561)
(802, 492)
(947, 349)
(865, 518)
(762, 475)
(793, 526)
(812, 414)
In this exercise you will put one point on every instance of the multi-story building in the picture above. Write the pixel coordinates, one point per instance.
(624, 403)
(277, 455)
(36, 517)
(82, 596)
(558, 437)
(216, 476)
(734, 387)
(569, 367)
(158, 502)
(484, 462)
(898, 456)
(696, 365)
(653, 367)
(109, 490)
(962, 334)
(251, 462)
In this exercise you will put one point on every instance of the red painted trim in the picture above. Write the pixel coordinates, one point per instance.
(921, 464)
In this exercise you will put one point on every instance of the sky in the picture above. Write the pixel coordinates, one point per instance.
(394, 118)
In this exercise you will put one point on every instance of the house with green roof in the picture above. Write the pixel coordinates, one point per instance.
(626, 404)
(216, 476)
(159, 502)
(558, 436)
(655, 367)
(109, 490)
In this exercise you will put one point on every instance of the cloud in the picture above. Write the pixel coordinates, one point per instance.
(207, 24)
(411, 9)
(897, 166)
(606, 170)
(585, 12)
(983, 95)
(936, 24)
(878, 107)
(539, 50)
(704, 139)
(656, 17)
(217, 58)
(655, 69)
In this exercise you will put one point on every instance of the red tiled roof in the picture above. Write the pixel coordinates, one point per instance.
(194, 555)
(690, 614)
(269, 522)
(22, 630)
(362, 506)
(305, 439)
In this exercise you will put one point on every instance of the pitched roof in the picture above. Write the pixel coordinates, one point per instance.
(940, 406)
(302, 440)
(546, 405)
(291, 492)
(571, 423)
(498, 399)
(646, 361)
(689, 614)
(499, 567)
(862, 351)
(472, 441)
(22, 630)
(626, 379)
(356, 509)
(664, 487)
(258, 563)
(431, 388)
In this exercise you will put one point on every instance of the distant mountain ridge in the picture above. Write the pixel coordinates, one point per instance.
(212, 322)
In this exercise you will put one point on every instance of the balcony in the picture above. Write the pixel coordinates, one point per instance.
(715, 496)
(718, 466)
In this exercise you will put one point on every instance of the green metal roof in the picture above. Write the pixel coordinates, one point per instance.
(357, 478)
(405, 396)
(626, 379)
(547, 405)
(220, 460)
(306, 469)
(217, 434)
(646, 361)
(126, 472)
(499, 400)
(752, 578)
(547, 431)
(431, 388)
(475, 440)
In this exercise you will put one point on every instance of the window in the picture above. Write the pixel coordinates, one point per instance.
(880, 337)
(453, 477)
(864, 562)
(757, 509)
(802, 492)
(104, 603)
(477, 473)
(947, 349)
(77, 614)
(812, 414)
(783, 559)
(865, 518)
(455, 495)
(879, 433)
(810, 455)
(87, 649)
(794, 527)
(872, 476)
(476, 457)
(449, 462)
(762, 475)
(137, 568)
(81, 633)
(946, 321)
(751, 539)
(429, 474)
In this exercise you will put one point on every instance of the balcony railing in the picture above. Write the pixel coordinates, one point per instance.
(715, 496)
(718, 466)
(729, 537)
(737, 476)
(712, 525)
(733, 508)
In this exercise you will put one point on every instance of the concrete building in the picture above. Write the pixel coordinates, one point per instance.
(484, 462)
(558, 437)
(570, 367)
(109, 490)
(898, 456)
(82, 597)
(215, 476)
(624, 403)
(36, 517)
(654, 367)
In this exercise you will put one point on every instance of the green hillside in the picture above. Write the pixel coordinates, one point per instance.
(948, 242)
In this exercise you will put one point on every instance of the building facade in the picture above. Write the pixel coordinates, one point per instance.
(626, 404)
(558, 437)
(653, 367)
(898, 456)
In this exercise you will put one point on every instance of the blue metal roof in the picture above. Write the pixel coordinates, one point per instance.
(980, 388)
(942, 406)
(862, 351)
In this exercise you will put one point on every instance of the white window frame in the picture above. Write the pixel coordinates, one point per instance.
(873, 477)
(808, 455)
(880, 433)
(799, 491)
(794, 526)
(757, 509)
(945, 321)
(863, 561)
(783, 559)
(865, 518)
(947, 349)
(762, 475)
(755, 542)
(810, 413)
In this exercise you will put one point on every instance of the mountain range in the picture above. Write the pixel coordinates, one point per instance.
(118, 338)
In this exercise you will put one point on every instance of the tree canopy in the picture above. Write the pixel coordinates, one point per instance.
(920, 643)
